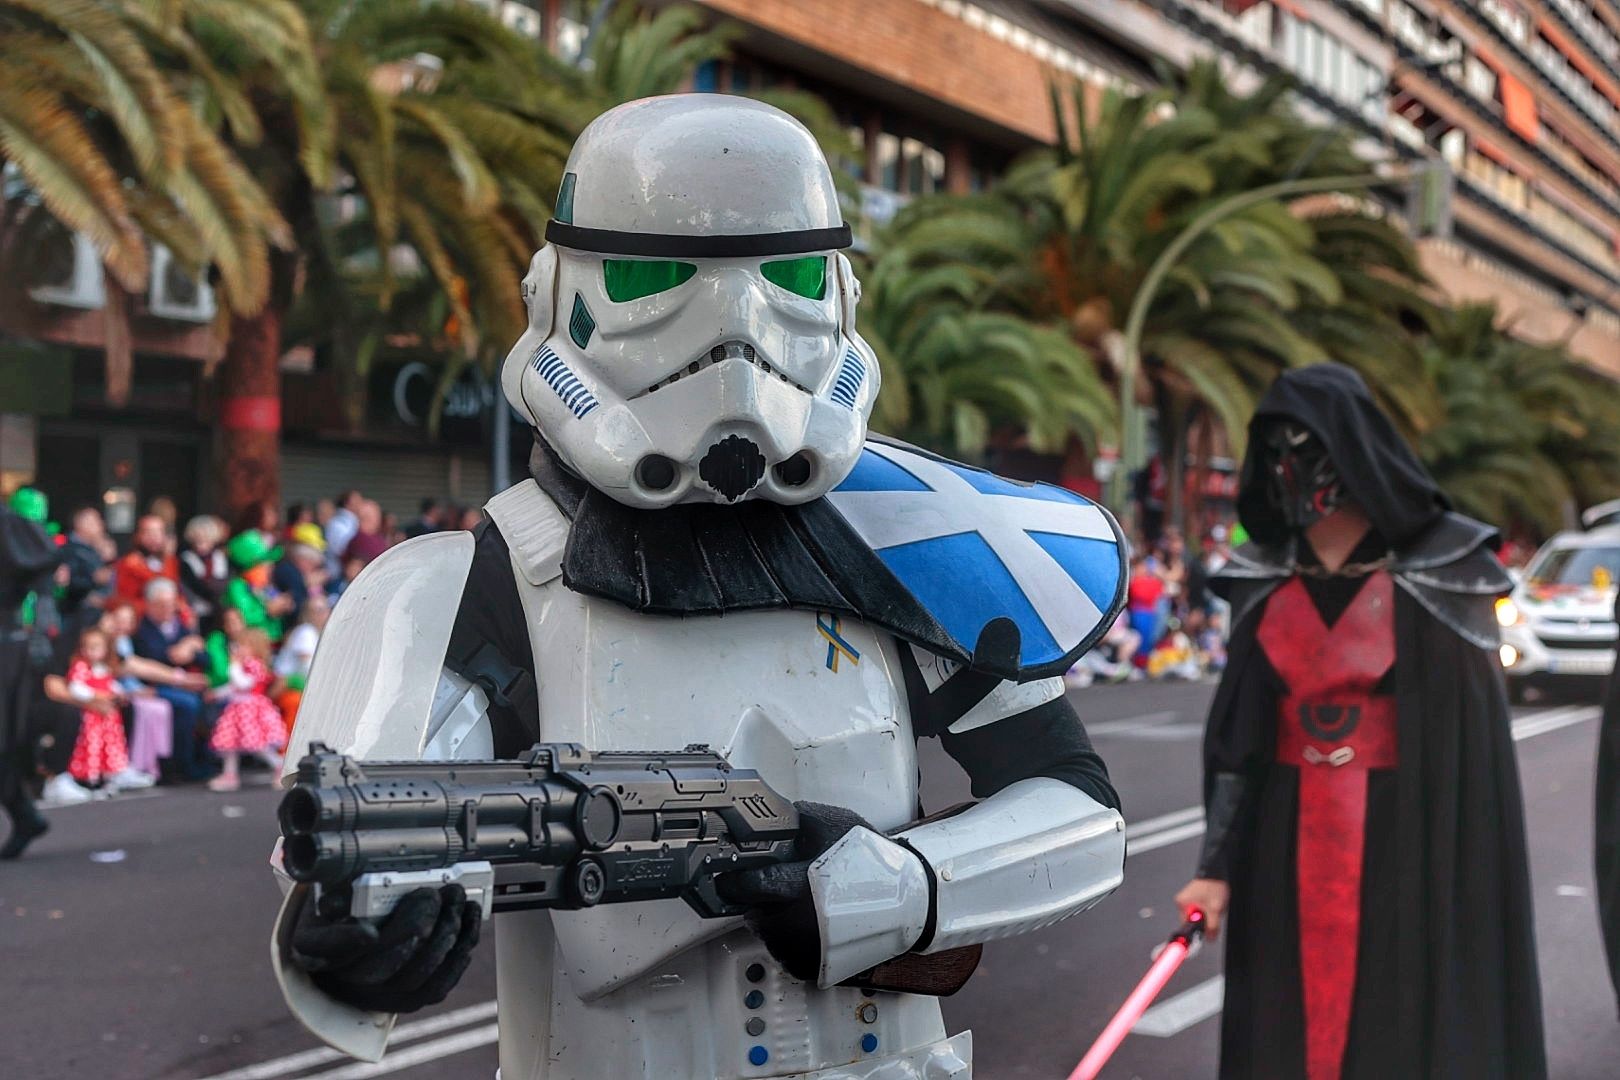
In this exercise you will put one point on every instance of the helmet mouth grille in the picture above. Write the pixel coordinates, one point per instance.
(726, 350)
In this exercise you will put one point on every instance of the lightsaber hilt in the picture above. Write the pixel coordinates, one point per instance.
(1169, 957)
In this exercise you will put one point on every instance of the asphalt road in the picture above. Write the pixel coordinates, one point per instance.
(133, 938)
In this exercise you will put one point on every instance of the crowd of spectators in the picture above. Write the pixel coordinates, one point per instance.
(180, 656)
(1172, 627)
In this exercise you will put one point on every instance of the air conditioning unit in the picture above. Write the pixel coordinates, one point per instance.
(176, 293)
(521, 18)
(570, 38)
(67, 267)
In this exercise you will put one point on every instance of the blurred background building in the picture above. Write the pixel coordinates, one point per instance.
(1519, 98)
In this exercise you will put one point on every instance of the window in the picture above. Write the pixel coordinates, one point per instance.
(1509, 17)
(1480, 79)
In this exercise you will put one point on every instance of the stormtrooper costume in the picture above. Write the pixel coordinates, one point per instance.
(711, 550)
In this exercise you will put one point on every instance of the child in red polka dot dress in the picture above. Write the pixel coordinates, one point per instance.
(251, 723)
(100, 753)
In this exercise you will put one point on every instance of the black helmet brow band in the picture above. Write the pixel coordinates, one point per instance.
(670, 246)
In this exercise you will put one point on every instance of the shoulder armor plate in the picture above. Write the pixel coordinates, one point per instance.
(1013, 579)
(371, 683)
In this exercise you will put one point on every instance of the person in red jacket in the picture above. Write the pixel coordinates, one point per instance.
(150, 558)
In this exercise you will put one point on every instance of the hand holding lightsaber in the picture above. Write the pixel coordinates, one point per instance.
(1170, 956)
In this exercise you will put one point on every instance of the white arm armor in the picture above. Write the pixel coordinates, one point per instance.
(1028, 856)
(1032, 854)
(378, 689)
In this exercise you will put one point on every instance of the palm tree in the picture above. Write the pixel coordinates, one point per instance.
(1073, 230)
(1528, 431)
(107, 141)
(394, 151)
(955, 369)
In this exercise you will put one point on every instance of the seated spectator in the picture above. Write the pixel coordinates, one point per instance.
(262, 517)
(351, 570)
(250, 722)
(100, 754)
(302, 570)
(1111, 659)
(87, 555)
(151, 726)
(1144, 598)
(204, 570)
(343, 522)
(301, 514)
(164, 509)
(164, 635)
(371, 539)
(430, 520)
(149, 560)
(251, 592)
(297, 653)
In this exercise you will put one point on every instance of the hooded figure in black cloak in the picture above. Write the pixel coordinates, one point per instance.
(1606, 834)
(1362, 796)
(27, 558)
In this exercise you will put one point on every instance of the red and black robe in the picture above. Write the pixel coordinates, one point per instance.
(1400, 874)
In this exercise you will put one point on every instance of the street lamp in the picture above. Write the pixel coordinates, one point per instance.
(1130, 354)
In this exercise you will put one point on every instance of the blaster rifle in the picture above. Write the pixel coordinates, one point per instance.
(561, 827)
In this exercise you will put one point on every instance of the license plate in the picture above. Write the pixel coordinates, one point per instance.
(1595, 665)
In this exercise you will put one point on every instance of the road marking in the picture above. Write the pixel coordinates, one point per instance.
(1176, 1014)
(1130, 724)
(1163, 821)
(321, 1055)
(1164, 838)
(1552, 720)
(459, 1043)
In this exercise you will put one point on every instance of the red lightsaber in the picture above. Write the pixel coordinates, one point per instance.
(1175, 950)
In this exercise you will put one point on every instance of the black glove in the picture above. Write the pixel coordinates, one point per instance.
(785, 913)
(408, 960)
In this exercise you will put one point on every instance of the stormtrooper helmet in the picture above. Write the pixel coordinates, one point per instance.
(691, 318)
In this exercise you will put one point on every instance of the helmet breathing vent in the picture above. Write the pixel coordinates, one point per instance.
(851, 374)
(562, 380)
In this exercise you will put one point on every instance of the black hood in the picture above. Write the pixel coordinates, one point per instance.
(1379, 470)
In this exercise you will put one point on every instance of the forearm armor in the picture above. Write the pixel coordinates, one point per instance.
(1036, 852)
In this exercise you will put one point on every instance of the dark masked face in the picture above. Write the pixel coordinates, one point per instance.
(1301, 481)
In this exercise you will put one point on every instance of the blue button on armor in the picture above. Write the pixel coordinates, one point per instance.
(759, 1055)
(868, 1043)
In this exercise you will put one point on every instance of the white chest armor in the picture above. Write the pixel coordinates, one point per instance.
(812, 702)
(651, 989)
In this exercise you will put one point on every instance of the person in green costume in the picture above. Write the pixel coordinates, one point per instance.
(31, 504)
(250, 593)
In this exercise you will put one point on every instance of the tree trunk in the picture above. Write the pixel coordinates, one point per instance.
(248, 443)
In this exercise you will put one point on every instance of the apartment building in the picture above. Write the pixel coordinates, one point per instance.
(1520, 98)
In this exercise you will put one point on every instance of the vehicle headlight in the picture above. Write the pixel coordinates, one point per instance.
(1508, 613)
(1510, 656)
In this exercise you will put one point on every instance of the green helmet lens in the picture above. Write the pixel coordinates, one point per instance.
(631, 279)
(803, 277)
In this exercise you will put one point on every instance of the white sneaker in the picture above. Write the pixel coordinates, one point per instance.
(130, 779)
(62, 789)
